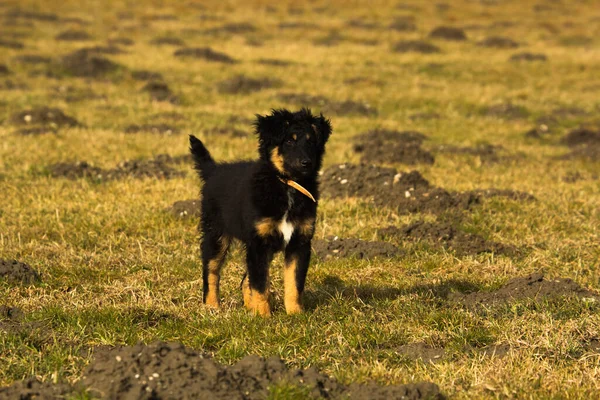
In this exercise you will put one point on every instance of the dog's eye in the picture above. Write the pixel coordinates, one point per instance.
(290, 142)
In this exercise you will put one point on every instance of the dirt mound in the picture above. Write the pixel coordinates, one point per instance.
(533, 286)
(498, 42)
(155, 168)
(31, 388)
(527, 56)
(145, 75)
(41, 120)
(31, 15)
(232, 28)
(104, 50)
(226, 130)
(172, 371)
(275, 62)
(583, 152)
(327, 106)
(487, 153)
(167, 41)
(446, 235)
(386, 146)
(415, 46)
(335, 37)
(186, 208)
(403, 24)
(80, 169)
(448, 33)
(362, 24)
(582, 136)
(15, 271)
(32, 59)
(404, 192)
(421, 352)
(343, 248)
(86, 63)
(160, 91)
(242, 84)
(11, 44)
(506, 111)
(120, 41)
(205, 53)
(4, 69)
(162, 129)
(73, 35)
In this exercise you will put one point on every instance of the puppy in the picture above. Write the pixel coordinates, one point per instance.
(270, 205)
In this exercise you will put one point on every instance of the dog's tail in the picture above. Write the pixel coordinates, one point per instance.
(203, 162)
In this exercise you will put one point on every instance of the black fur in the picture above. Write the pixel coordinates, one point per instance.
(239, 200)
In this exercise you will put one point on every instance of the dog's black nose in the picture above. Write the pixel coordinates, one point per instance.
(305, 163)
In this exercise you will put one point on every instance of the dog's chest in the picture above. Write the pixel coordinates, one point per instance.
(285, 226)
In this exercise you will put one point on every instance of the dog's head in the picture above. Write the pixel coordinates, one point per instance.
(293, 142)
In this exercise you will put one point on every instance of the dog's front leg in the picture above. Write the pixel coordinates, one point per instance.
(256, 285)
(297, 258)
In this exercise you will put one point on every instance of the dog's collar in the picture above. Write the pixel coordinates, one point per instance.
(298, 187)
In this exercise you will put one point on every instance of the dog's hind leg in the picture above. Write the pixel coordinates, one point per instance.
(214, 250)
(297, 259)
(256, 285)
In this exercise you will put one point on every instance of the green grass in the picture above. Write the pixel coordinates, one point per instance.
(117, 268)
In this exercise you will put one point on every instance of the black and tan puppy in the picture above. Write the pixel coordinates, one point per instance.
(269, 204)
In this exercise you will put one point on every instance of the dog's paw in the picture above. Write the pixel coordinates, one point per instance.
(293, 308)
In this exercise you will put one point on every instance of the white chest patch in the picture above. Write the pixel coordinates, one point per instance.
(286, 228)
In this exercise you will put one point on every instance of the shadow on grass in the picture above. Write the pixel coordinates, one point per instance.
(332, 287)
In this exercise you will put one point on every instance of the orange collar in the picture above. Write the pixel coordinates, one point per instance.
(298, 187)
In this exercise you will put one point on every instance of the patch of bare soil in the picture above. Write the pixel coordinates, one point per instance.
(31, 15)
(386, 146)
(11, 44)
(507, 111)
(424, 116)
(73, 35)
(32, 59)
(171, 371)
(89, 64)
(167, 41)
(534, 286)
(334, 38)
(403, 24)
(528, 56)
(487, 153)
(104, 50)
(362, 24)
(241, 84)
(404, 192)
(446, 235)
(4, 69)
(204, 53)
(145, 75)
(186, 208)
(158, 168)
(335, 247)
(17, 272)
(163, 129)
(160, 91)
(498, 42)
(421, 352)
(42, 120)
(239, 28)
(275, 62)
(120, 41)
(448, 33)
(32, 388)
(585, 144)
(415, 46)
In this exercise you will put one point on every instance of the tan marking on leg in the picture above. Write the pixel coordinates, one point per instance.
(259, 303)
(214, 273)
(265, 227)
(307, 227)
(277, 160)
(291, 295)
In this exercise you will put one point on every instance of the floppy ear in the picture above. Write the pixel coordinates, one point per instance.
(271, 128)
(322, 128)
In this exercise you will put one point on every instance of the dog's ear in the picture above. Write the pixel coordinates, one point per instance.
(271, 129)
(322, 128)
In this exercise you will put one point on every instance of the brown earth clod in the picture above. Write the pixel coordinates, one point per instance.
(205, 53)
(241, 84)
(17, 272)
(186, 209)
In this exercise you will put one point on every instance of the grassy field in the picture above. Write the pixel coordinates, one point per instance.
(118, 268)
